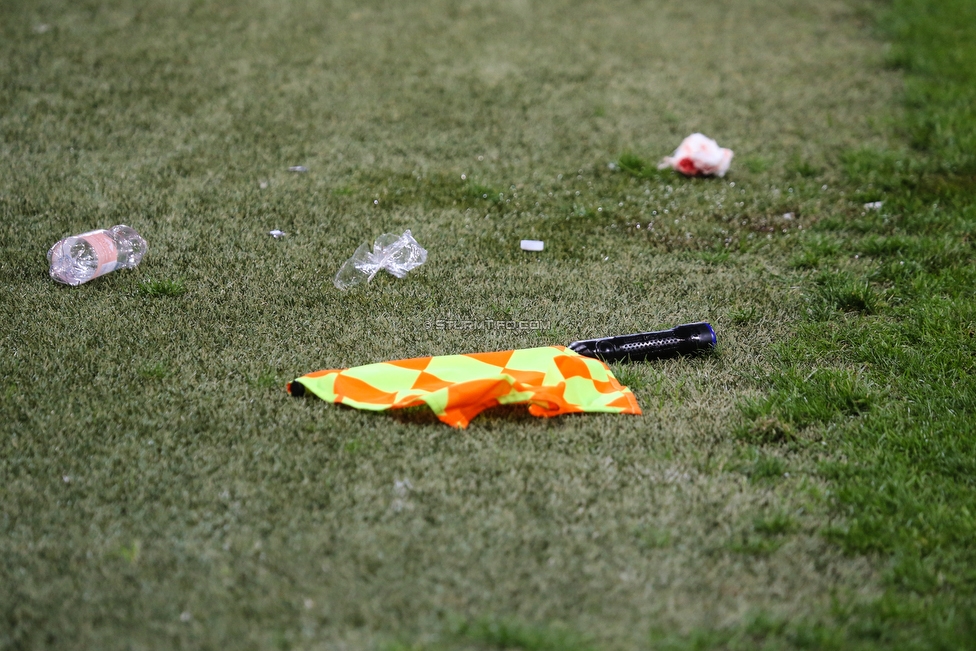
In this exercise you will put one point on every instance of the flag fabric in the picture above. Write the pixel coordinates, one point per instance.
(551, 380)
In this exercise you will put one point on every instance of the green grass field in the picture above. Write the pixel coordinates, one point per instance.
(812, 485)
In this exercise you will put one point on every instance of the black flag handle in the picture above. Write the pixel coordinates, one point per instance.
(687, 339)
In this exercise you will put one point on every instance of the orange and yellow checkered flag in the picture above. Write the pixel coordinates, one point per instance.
(551, 380)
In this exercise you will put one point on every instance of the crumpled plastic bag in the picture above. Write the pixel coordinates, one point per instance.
(398, 254)
(698, 155)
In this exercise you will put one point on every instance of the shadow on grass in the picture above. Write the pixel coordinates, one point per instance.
(483, 633)
(423, 415)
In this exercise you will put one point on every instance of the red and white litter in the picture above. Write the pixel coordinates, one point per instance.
(698, 155)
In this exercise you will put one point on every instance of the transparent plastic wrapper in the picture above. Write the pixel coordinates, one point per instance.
(80, 258)
(698, 155)
(398, 254)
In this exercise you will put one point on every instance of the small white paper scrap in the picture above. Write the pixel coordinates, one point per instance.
(276, 233)
(532, 245)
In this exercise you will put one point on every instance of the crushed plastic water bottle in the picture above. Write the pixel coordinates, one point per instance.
(398, 254)
(79, 258)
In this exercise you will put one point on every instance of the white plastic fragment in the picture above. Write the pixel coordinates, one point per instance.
(532, 245)
(873, 205)
(788, 216)
(698, 155)
(396, 254)
(298, 168)
(276, 233)
(401, 487)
